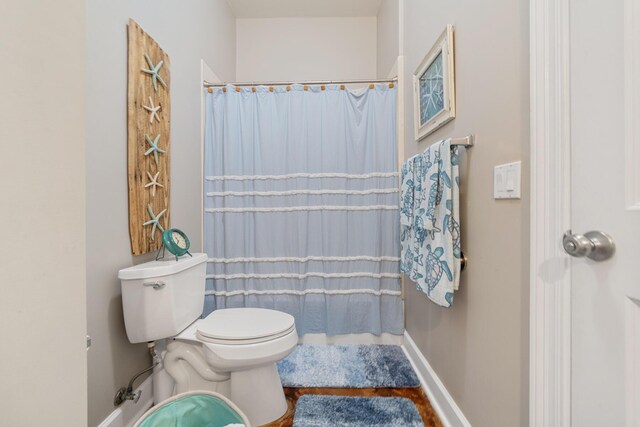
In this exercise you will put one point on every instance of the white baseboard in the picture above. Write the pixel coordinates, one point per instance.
(442, 402)
(129, 412)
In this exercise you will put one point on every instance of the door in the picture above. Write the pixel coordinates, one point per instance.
(605, 188)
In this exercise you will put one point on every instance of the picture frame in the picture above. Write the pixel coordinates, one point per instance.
(434, 87)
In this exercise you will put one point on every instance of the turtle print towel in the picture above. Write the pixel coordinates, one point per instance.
(430, 221)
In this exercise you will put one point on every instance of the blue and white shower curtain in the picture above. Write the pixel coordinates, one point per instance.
(301, 205)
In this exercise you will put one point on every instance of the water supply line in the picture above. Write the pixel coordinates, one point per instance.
(127, 393)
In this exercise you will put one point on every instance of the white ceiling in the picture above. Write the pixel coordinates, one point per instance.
(304, 8)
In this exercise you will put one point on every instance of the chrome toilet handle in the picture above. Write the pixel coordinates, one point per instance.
(156, 285)
(594, 245)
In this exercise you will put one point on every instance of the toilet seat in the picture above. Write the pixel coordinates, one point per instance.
(241, 326)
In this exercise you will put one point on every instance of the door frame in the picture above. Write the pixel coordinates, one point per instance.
(550, 268)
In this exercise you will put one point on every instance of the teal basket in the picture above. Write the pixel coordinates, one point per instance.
(194, 409)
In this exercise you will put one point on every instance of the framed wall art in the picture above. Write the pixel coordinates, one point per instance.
(434, 87)
(149, 140)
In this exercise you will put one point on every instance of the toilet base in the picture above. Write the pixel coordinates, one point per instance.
(258, 393)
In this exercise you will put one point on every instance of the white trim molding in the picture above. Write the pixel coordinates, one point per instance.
(632, 355)
(632, 102)
(550, 281)
(448, 411)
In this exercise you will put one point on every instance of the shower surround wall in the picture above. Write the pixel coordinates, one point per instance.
(322, 49)
(188, 32)
(387, 38)
(479, 347)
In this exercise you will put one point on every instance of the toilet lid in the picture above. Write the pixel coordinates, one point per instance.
(240, 325)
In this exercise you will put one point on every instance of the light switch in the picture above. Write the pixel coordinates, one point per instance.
(506, 181)
(511, 180)
(498, 182)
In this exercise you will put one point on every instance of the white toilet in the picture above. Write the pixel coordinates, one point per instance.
(231, 351)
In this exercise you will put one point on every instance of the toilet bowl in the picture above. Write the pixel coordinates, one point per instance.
(245, 344)
(231, 351)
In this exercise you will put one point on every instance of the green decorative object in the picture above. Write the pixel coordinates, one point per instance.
(153, 72)
(155, 221)
(195, 408)
(154, 148)
(176, 242)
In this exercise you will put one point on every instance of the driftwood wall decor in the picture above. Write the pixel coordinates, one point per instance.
(149, 132)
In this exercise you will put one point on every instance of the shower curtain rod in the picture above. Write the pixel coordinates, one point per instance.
(307, 83)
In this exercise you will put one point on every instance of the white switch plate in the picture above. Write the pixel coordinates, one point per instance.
(506, 181)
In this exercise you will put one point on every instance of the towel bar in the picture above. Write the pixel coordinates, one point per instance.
(467, 141)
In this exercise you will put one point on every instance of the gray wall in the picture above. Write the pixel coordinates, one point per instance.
(388, 35)
(316, 49)
(479, 348)
(43, 361)
(187, 31)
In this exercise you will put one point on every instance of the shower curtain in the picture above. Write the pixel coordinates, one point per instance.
(301, 205)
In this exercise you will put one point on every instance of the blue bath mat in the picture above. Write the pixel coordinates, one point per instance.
(347, 366)
(332, 411)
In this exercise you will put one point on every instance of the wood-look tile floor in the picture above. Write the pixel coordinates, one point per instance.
(417, 395)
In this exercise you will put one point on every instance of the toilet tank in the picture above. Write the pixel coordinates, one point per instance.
(161, 298)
